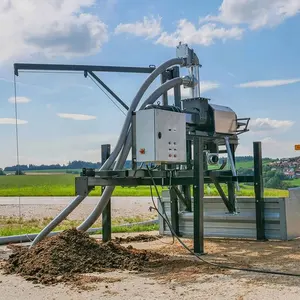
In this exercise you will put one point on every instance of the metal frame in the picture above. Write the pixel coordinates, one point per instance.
(87, 70)
(195, 175)
(259, 192)
(106, 215)
(180, 181)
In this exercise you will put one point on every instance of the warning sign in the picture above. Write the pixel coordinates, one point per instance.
(297, 147)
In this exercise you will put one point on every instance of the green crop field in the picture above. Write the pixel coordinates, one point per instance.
(64, 185)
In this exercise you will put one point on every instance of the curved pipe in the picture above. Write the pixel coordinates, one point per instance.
(160, 69)
(95, 214)
(133, 106)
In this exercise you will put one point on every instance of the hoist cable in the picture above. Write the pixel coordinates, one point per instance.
(98, 85)
(17, 151)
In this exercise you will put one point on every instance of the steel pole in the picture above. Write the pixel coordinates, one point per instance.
(259, 192)
(198, 196)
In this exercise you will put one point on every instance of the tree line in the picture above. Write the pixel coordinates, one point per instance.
(76, 164)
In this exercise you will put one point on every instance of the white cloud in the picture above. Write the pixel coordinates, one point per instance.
(19, 100)
(149, 27)
(204, 87)
(266, 124)
(208, 85)
(12, 121)
(271, 147)
(205, 35)
(77, 117)
(255, 13)
(268, 83)
(185, 92)
(49, 28)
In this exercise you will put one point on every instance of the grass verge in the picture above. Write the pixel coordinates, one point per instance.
(15, 226)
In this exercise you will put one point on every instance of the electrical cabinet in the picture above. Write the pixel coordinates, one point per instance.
(160, 136)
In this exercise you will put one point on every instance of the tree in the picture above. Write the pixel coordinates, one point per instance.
(19, 172)
(2, 172)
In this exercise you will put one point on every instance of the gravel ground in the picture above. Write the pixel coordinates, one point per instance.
(40, 207)
(181, 280)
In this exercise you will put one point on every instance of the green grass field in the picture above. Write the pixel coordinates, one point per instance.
(64, 185)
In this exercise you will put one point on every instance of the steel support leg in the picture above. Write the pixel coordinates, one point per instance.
(231, 185)
(198, 196)
(259, 192)
(177, 91)
(163, 79)
(186, 189)
(106, 215)
(174, 210)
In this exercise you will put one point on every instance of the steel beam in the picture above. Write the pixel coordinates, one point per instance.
(177, 92)
(186, 189)
(108, 89)
(259, 192)
(106, 215)
(163, 79)
(163, 181)
(174, 211)
(227, 203)
(182, 198)
(231, 185)
(198, 197)
(88, 68)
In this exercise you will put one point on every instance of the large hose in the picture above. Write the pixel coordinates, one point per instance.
(56, 221)
(92, 218)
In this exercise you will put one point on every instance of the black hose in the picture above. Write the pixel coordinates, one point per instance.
(200, 258)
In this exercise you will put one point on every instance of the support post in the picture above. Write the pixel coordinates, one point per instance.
(177, 92)
(106, 215)
(259, 192)
(231, 185)
(186, 189)
(198, 196)
(174, 210)
(163, 79)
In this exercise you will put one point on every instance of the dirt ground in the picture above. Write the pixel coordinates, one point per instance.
(184, 277)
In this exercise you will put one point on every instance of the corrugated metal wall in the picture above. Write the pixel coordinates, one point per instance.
(219, 223)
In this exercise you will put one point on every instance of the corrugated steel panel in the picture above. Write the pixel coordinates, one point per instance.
(219, 223)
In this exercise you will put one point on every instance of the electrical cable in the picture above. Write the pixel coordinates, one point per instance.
(98, 85)
(155, 208)
(222, 266)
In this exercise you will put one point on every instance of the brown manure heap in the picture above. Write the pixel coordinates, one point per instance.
(60, 258)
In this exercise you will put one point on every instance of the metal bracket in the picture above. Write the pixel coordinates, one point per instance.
(81, 186)
(241, 124)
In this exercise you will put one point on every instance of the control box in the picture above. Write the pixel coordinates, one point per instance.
(160, 136)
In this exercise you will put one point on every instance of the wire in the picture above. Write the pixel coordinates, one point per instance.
(17, 151)
(205, 261)
(107, 95)
(166, 220)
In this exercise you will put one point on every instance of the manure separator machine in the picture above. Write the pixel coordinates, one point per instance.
(172, 146)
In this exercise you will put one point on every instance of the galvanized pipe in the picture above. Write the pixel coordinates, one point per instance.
(231, 160)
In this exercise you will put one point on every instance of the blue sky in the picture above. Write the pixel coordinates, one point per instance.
(249, 51)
